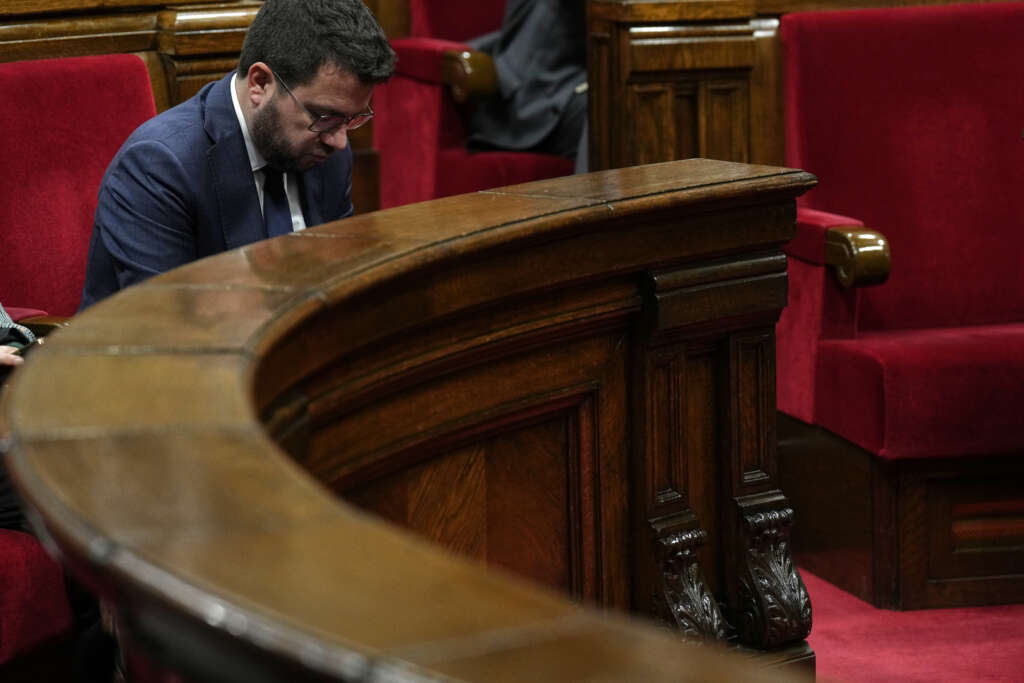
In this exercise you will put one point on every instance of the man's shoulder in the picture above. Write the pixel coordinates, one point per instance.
(183, 128)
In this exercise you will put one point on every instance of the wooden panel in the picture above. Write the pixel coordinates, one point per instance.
(975, 547)
(24, 38)
(755, 434)
(486, 362)
(504, 500)
(690, 48)
(527, 464)
(600, 73)
(203, 31)
(23, 7)
(725, 116)
(707, 68)
(652, 110)
(687, 121)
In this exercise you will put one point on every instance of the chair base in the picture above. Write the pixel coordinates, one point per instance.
(904, 534)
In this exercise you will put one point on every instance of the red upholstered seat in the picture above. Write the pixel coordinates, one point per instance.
(938, 392)
(901, 425)
(417, 128)
(33, 604)
(61, 122)
(921, 142)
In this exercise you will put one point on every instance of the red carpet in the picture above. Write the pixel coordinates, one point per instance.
(857, 643)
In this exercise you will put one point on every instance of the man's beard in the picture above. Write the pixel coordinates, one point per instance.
(269, 139)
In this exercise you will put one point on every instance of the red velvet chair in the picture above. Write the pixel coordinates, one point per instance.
(418, 126)
(902, 404)
(61, 122)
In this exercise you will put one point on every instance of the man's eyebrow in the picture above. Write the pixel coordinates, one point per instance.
(324, 111)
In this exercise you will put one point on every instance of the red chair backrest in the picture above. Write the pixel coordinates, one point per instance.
(911, 118)
(61, 122)
(454, 19)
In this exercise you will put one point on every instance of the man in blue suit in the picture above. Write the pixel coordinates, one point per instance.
(260, 153)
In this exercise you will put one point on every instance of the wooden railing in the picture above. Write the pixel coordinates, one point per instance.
(571, 380)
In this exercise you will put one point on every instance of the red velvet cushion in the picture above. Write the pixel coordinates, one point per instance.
(911, 118)
(454, 19)
(33, 603)
(918, 393)
(61, 122)
(470, 172)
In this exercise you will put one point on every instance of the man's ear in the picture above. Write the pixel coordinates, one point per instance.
(260, 83)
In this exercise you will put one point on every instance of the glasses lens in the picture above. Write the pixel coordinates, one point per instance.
(358, 120)
(327, 123)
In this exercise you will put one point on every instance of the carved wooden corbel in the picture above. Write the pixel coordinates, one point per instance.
(692, 606)
(775, 606)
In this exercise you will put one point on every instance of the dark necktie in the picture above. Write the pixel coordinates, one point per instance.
(277, 215)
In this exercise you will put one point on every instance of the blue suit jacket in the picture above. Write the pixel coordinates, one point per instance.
(181, 188)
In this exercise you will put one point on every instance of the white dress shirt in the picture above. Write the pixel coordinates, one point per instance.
(257, 162)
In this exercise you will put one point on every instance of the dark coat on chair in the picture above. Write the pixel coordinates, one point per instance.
(181, 188)
(540, 58)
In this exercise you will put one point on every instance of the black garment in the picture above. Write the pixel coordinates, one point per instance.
(540, 59)
(11, 516)
(277, 215)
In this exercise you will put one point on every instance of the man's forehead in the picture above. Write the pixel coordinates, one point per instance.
(338, 89)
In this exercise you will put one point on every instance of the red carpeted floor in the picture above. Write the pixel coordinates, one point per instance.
(858, 643)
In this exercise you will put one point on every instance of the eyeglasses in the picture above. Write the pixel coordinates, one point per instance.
(325, 123)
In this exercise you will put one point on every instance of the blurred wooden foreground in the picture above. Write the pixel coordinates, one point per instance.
(571, 379)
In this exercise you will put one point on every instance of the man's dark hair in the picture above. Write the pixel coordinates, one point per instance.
(296, 37)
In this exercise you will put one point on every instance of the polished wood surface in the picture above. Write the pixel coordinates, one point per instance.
(859, 257)
(571, 380)
(469, 73)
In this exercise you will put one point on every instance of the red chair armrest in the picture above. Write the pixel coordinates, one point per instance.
(860, 256)
(422, 58)
(811, 226)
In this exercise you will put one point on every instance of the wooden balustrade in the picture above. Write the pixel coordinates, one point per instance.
(570, 381)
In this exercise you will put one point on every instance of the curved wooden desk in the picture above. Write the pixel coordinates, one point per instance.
(571, 379)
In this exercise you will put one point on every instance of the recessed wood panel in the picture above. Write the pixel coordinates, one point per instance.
(726, 116)
(686, 121)
(754, 393)
(978, 527)
(519, 463)
(653, 137)
(508, 500)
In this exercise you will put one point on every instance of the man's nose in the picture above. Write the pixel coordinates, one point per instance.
(337, 138)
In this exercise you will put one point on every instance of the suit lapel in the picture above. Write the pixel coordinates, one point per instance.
(241, 220)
